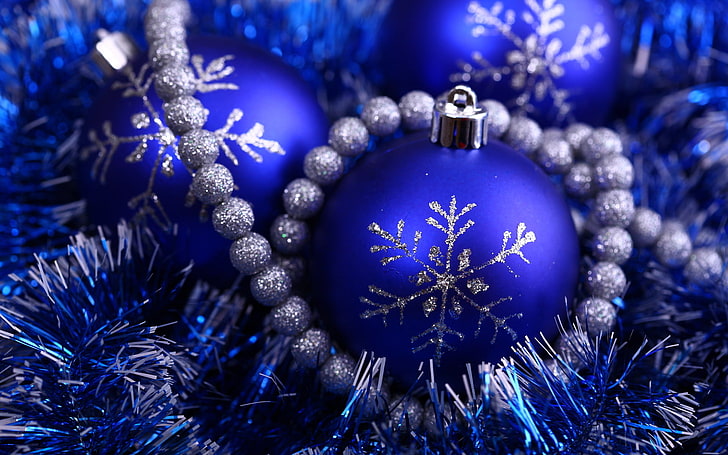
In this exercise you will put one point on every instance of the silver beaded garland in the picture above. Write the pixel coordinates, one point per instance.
(349, 136)
(323, 165)
(614, 208)
(596, 315)
(291, 317)
(198, 148)
(381, 116)
(250, 253)
(168, 52)
(602, 142)
(645, 227)
(704, 267)
(614, 172)
(606, 280)
(233, 218)
(271, 286)
(416, 110)
(172, 81)
(579, 181)
(302, 198)
(554, 155)
(524, 134)
(311, 348)
(499, 119)
(673, 246)
(576, 133)
(612, 244)
(288, 235)
(184, 113)
(337, 374)
(212, 184)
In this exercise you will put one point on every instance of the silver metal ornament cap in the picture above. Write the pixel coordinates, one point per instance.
(114, 51)
(457, 120)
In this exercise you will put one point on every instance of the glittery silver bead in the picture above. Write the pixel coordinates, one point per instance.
(337, 374)
(250, 253)
(381, 116)
(323, 165)
(673, 246)
(408, 414)
(612, 244)
(291, 317)
(614, 172)
(168, 52)
(172, 81)
(596, 315)
(614, 208)
(499, 119)
(271, 286)
(576, 133)
(233, 218)
(554, 155)
(349, 136)
(288, 235)
(164, 30)
(212, 184)
(606, 280)
(601, 143)
(184, 113)
(302, 198)
(524, 134)
(198, 148)
(175, 11)
(311, 348)
(646, 227)
(704, 267)
(416, 110)
(579, 181)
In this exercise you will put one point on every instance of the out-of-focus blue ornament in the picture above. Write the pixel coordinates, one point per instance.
(262, 114)
(556, 59)
(428, 252)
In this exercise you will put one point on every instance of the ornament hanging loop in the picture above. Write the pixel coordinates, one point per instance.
(457, 120)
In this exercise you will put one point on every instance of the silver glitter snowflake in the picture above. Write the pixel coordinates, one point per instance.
(447, 282)
(106, 143)
(538, 59)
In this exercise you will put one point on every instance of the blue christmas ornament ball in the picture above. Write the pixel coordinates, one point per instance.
(276, 105)
(527, 57)
(426, 252)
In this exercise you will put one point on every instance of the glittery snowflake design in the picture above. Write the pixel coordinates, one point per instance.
(447, 282)
(537, 60)
(162, 140)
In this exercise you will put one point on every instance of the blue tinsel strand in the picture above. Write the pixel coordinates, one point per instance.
(83, 373)
(44, 89)
(670, 44)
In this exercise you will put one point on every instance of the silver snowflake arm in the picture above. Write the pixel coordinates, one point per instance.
(395, 303)
(489, 21)
(588, 43)
(523, 238)
(215, 70)
(435, 335)
(252, 138)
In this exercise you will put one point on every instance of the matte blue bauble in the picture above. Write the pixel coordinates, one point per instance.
(425, 252)
(427, 45)
(269, 93)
